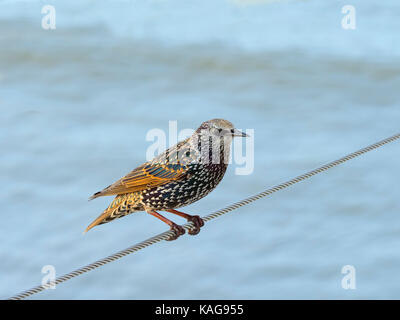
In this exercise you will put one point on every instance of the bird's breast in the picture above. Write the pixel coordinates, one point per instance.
(200, 180)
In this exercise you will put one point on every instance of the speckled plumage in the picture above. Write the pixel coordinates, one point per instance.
(181, 175)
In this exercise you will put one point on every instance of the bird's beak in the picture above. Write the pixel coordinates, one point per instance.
(237, 133)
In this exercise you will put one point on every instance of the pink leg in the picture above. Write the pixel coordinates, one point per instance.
(178, 230)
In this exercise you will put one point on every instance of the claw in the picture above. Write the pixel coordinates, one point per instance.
(178, 231)
(198, 223)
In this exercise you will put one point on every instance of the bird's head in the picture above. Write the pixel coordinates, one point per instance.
(219, 128)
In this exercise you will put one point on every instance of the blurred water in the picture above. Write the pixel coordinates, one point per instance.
(77, 102)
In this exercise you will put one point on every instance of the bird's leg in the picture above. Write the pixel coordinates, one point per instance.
(198, 222)
(178, 230)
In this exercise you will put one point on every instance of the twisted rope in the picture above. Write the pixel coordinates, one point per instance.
(188, 226)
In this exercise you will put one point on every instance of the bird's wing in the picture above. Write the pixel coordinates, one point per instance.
(143, 177)
(168, 167)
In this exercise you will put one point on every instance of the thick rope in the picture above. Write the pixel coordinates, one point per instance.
(167, 234)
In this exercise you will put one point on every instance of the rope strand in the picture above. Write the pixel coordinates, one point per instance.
(188, 226)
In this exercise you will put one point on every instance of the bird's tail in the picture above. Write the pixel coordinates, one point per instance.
(122, 205)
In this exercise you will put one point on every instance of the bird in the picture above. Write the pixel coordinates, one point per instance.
(181, 175)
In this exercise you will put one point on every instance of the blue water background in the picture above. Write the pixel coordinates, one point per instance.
(76, 104)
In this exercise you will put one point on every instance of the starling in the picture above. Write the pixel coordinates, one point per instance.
(181, 175)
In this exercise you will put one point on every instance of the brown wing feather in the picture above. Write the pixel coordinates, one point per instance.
(167, 167)
(147, 175)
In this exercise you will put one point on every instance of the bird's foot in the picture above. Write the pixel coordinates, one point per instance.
(178, 231)
(198, 223)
